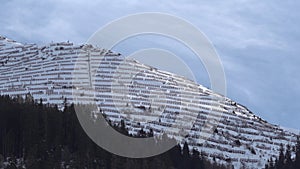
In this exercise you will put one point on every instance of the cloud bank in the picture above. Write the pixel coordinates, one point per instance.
(258, 41)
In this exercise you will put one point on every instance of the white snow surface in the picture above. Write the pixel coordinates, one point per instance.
(218, 127)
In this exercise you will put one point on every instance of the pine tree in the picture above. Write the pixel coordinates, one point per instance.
(280, 162)
(288, 160)
(267, 165)
(196, 161)
(297, 160)
(271, 163)
(186, 156)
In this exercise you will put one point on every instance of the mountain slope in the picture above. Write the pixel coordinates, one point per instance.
(142, 95)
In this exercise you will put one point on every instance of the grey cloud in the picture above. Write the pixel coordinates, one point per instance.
(258, 41)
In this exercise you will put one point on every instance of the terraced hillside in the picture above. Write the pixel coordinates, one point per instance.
(143, 96)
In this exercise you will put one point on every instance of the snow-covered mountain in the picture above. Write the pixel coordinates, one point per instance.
(143, 96)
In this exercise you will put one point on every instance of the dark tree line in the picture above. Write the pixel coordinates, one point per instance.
(285, 160)
(44, 137)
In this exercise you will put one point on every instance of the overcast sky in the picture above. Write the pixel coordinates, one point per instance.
(257, 41)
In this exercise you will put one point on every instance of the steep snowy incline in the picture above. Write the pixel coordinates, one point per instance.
(143, 96)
